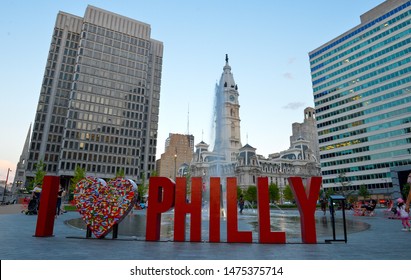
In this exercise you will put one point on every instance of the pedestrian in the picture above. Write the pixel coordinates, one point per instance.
(404, 216)
(241, 204)
(60, 195)
(407, 204)
(36, 195)
(323, 203)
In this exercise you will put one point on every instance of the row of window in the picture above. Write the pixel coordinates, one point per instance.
(115, 35)
(370, 119)
(366, 26)
(374, 64)
(352, 63)
(130, 62)
(90, 168)
(369, 75)
(86, 156)
(371, 138)
(374, 147)
(131, 83)
(358, 168)
(366, 43)
(342, 110)
(352, 160)
(135, 74)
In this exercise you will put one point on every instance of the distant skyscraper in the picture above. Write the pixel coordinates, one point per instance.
(99, 101)
(362, 92)
(179, 149)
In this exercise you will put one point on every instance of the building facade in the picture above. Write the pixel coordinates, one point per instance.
(99, 100)
(362, 92)
(179, 149)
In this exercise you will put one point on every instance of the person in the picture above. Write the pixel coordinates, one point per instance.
(36, 195)
(323, 203)
(60, 195)
(404, 216)
(241, 204)
(407, 203)
(37, 192)
(369, 207)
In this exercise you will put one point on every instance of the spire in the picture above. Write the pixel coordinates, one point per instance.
(226, 58)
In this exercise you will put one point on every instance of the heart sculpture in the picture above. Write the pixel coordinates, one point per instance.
(102, 205)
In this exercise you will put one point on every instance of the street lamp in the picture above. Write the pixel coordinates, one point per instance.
(5, 185)
(175, 165)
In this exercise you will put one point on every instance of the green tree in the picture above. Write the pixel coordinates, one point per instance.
(363, 191)
(239, 192)
(120, 173)
(288, 193)
(405, 190)
(142, 188)
(38, 175)
(345, 184)
(251, 194)
(274, 192)
(79, 174)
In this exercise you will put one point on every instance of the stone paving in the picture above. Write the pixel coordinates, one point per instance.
(383, 240)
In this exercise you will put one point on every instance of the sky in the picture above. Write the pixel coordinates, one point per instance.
(267, 43)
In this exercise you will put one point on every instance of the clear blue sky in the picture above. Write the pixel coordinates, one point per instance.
(267, 43)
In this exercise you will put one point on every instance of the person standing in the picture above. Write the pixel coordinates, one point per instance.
(241, 204)
(407, 203)
(323, 203)
(60, 196)
(404, 216)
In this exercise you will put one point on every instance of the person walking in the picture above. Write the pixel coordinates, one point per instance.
(404, 216)
(241, 204)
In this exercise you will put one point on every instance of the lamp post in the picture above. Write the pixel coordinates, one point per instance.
(5, 185)
(175, 165)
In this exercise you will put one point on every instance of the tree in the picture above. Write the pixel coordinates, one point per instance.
(239, 192)
(120, 173)
(251, 194)
(142, 188)
(79, 174)
(345, 184)
(288, 193)
(405, 190)
(38, 175)
(363, 191)
(274, 192)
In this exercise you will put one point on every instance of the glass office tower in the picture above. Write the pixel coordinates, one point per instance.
(99, 101)
(362, 92)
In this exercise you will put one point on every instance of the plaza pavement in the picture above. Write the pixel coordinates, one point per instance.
(383, 240)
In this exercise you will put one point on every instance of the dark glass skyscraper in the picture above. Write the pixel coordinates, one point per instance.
(99, 101)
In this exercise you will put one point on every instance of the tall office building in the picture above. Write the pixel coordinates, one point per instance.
(99, 100)
(362, 92)
(179, 149)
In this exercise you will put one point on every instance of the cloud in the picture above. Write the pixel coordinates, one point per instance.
(293, 105)
(288, 76)
(291, 60)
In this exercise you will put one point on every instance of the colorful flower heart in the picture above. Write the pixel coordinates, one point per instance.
(102, 205)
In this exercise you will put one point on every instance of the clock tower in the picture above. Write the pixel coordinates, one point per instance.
(227, 116)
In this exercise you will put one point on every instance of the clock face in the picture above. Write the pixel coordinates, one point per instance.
(231, 97)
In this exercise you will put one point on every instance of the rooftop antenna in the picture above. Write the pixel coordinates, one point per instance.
(202, 135)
